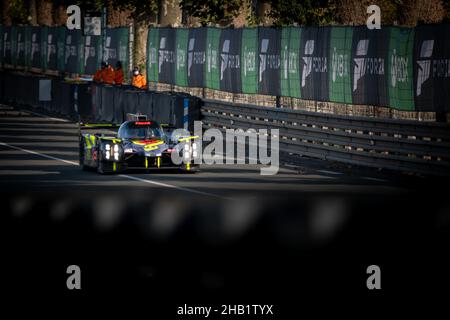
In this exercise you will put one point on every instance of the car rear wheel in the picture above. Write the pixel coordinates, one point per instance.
(83, 166)
(192, 169)
(100, 164)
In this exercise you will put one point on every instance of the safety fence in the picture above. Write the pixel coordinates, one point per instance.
(409, 146)
(401, 68)
(97, 102)
(59, 49)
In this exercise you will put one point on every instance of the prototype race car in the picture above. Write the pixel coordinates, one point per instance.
(138, 144)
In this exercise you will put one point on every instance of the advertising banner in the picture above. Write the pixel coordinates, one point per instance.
(35, 53)
(61, 48)
(290, 77)
(212, 68)
(314, 54)
(73, 51)
(20, 54)
(249, 61)
(339, 63)
(181, 57)
(1, 44)
(369, 63)
(116, 47)
(196, 57)
(399, 69)
(269, 61)
(166, 55)
(51, 52)
(152, 54)
(9, 45)
(230, 60)
(432, 68)
(92, 56)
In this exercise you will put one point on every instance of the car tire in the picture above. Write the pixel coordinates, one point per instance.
(100, 164)
(194, 169)
(81, 159)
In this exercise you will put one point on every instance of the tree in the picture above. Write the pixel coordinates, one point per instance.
(306, 12)
(17, 12)
(447, 10)
(212, 11)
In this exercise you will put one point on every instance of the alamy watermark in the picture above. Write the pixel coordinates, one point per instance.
(374, 280)
(74, 279)
(374, 20)
(230, 147)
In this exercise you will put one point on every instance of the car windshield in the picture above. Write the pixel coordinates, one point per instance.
(140, 132)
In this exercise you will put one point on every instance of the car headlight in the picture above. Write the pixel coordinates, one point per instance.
(194, 146)
(107, 154)
(107, 147)
(116, 148)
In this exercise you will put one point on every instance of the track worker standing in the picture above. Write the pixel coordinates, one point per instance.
(98, 73)
(139, 80)
(118, 74)
(108, 74)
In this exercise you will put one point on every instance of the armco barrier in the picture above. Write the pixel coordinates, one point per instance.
(408, 146)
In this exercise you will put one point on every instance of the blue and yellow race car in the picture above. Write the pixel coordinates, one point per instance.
(138, 144)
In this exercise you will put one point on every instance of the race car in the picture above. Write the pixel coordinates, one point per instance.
(138, 144)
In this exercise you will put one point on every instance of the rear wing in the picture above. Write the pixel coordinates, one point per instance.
(168, 126)
(98, 128)
(169, 130)
(87, 126)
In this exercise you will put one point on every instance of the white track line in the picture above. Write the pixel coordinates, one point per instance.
(120, 175)
(44, 116)
(39, 154)
(329, 172)
(172, 186)
(375, 179)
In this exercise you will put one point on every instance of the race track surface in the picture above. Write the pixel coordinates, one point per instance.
(300, 240)
(40, 153)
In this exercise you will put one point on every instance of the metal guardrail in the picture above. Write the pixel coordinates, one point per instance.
(401, 145)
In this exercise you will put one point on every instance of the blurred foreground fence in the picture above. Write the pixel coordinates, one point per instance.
(401, 145)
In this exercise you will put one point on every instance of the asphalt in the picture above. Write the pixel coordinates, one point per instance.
(301, 239)
(40, 153)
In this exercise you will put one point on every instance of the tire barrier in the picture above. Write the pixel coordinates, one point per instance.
(97, 102)
(401, 145)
